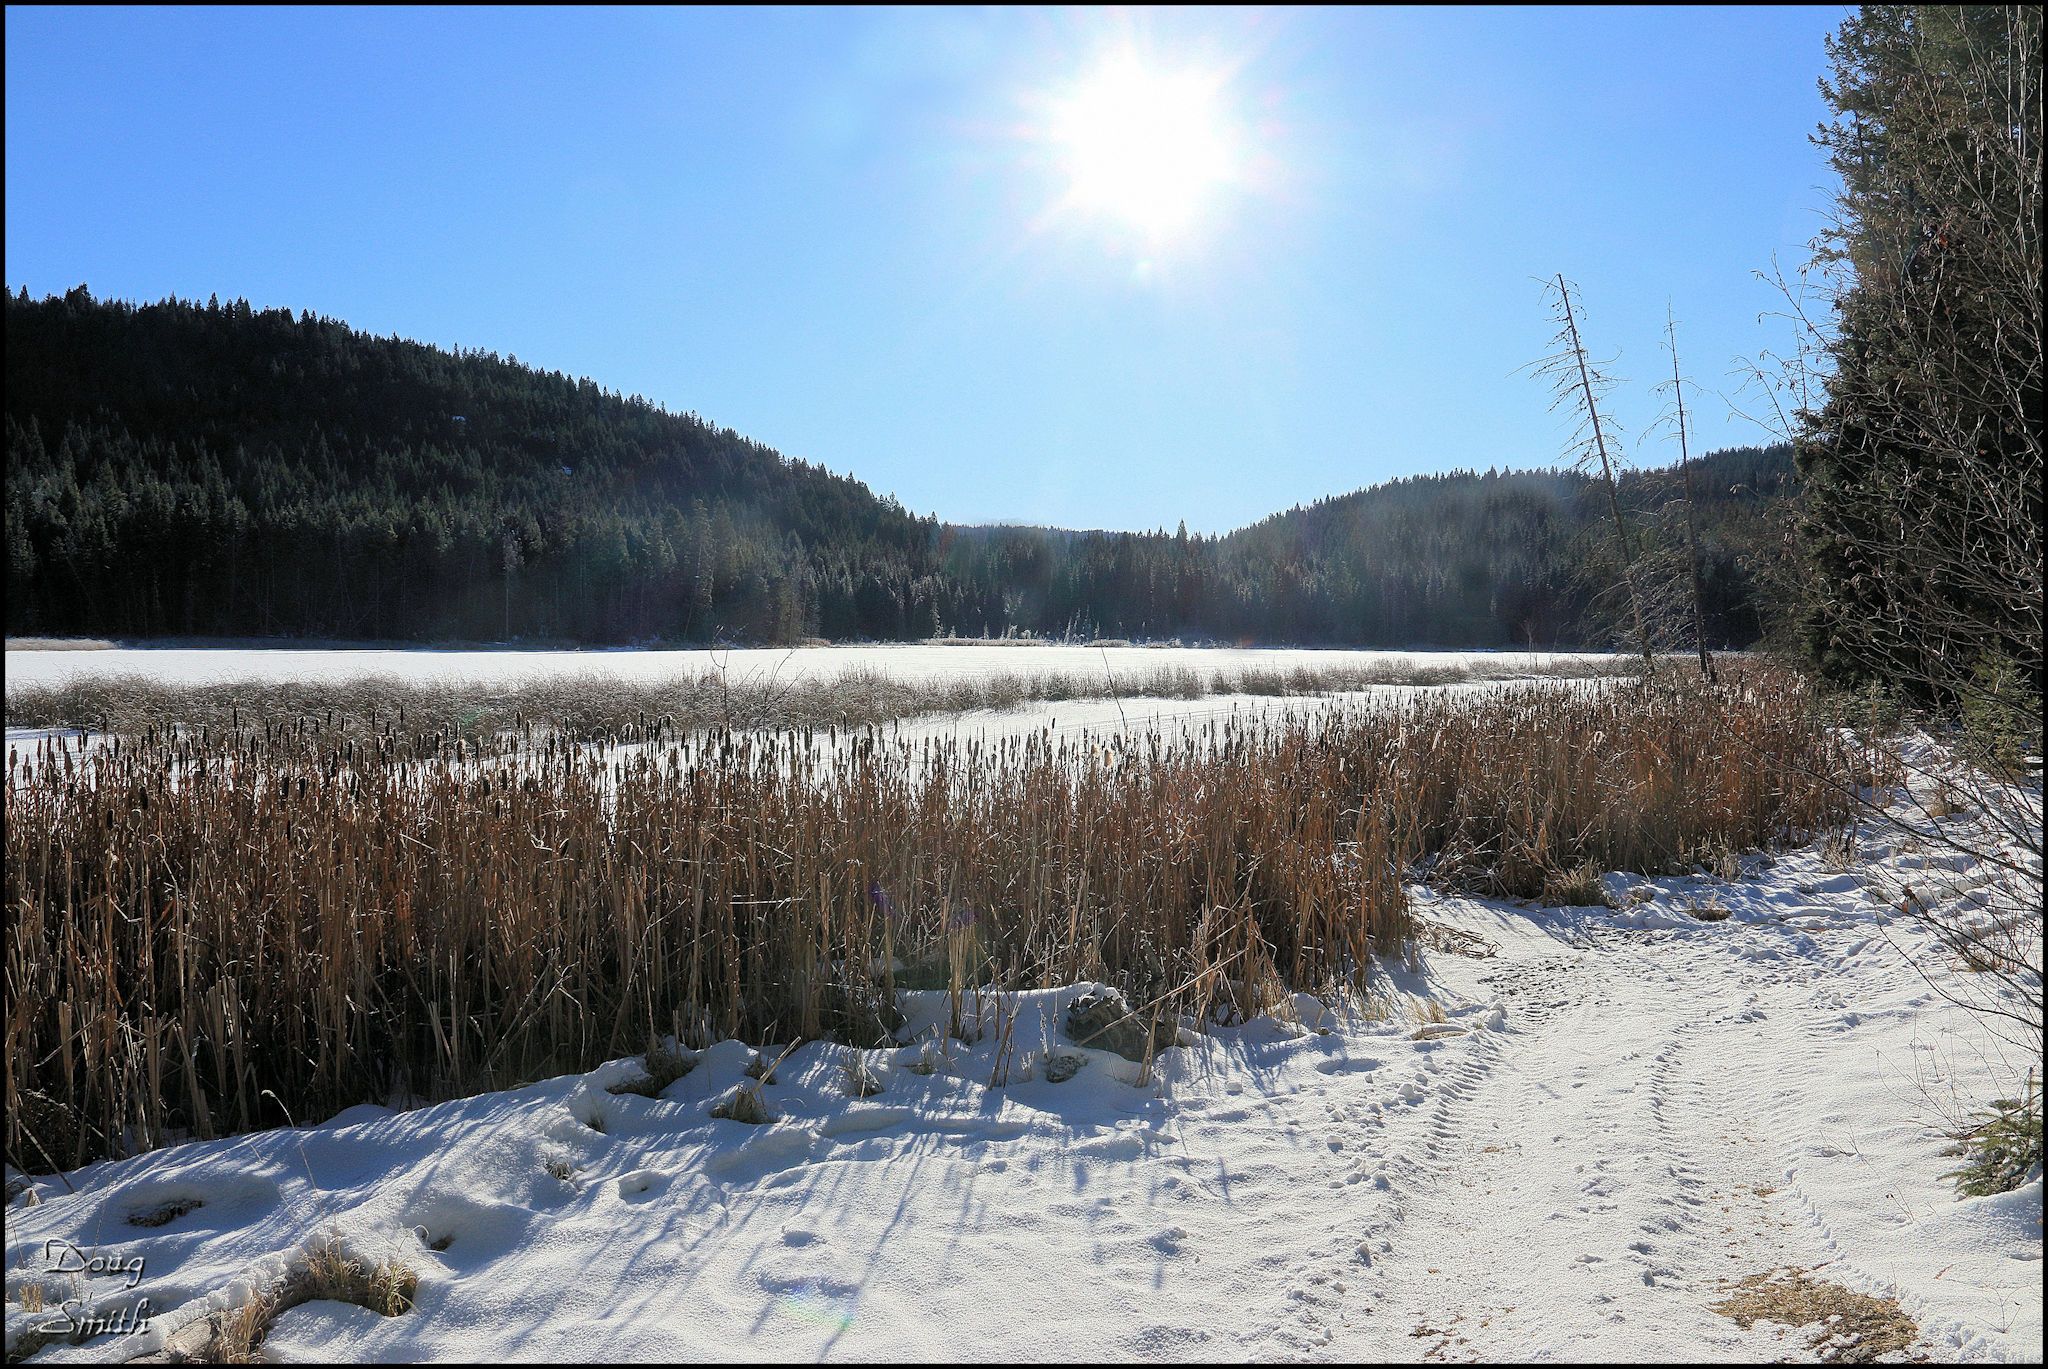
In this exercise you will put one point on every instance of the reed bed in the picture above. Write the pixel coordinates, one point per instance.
(217, 929)
(596, 706)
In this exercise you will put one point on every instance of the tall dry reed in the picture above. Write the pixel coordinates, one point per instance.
(595, 705)
(212, 930)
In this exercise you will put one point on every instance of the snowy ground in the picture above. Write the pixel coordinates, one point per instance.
(1067, 720)
(201, 665)
(1140, 715)
(1624, 1113)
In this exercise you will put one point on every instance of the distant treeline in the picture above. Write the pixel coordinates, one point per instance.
(212, 469)
(1503, 558)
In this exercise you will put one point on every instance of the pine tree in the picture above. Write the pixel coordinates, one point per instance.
(1922, 508)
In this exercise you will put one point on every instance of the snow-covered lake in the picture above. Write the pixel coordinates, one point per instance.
(199, 665)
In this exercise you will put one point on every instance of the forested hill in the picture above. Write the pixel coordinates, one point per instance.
(1503, 558)
(1469, 556)
(211, 469)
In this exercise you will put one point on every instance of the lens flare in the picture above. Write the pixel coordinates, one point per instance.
(1146, 147)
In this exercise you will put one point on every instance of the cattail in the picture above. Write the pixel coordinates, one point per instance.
(764, 885)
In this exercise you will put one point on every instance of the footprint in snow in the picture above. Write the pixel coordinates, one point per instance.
(1168, 1242)
(642, 1184)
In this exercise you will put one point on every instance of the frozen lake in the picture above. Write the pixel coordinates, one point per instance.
(916, 661)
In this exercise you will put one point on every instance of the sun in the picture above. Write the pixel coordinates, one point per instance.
(1145, 147)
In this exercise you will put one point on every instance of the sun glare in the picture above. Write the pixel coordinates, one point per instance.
(1145, 147)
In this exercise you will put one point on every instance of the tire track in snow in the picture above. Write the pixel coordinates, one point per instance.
(1584, 1184)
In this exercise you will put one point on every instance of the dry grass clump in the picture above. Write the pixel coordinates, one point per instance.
(163, 1214)
(744, 1104)
(1531, 792)
(1452, 940)
(59, 644)
(660, 1067)
(1578, 887)
(207, 930)
(387, 1289)
(1706, 910)
(1851, 1328)
(32, 1333)
(862, 1081)
(327, 1273)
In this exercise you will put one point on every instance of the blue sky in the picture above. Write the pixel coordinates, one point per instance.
(843, 232)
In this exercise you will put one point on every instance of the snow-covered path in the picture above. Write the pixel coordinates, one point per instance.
(1616, 1169)
(1593, 1179)
(1623, 1113)
(1675, 1106)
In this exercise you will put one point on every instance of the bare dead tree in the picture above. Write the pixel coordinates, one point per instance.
(1578, 383)
(1692, 519)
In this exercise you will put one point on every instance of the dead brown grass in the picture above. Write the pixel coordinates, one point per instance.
(660, 1067)
(209, 928)
(1850, 1328)
(58, 644)
(1576, 888)
(744, 1104)
(326, 1273)
(603, 707)
(1706, 910)
(163, 1214)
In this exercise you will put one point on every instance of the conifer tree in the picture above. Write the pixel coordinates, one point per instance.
(1922, 508)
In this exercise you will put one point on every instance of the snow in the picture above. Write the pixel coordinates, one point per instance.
(1142, 715)
(1065, 720)
(1133, 712)
(1619, 1114)
(912, 662)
